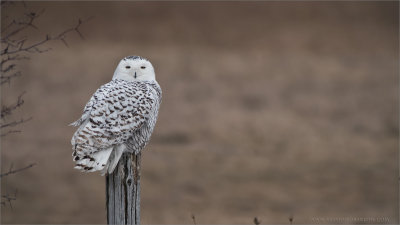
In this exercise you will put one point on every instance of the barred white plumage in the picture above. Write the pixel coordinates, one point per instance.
(119, 117)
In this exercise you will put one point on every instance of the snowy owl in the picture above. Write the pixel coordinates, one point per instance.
(119, 117)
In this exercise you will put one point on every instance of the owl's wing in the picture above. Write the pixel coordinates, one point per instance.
(98, 95)
(114, 115)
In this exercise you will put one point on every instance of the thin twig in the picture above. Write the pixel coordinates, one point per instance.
(7, 110)
(7, 198)
(11, 58)
(6, 79)
(14, 123)
(10, 132)
(35, 48)
(11, 171)
(23, 24)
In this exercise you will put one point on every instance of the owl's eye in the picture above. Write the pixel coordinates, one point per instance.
(128, 67)
(143, 67)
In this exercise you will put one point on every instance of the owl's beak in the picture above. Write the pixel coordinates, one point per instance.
(135, 75)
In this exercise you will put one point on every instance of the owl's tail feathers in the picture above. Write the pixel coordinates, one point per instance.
(83, 120)
(113, 160)
(93, 162)
(76, 123)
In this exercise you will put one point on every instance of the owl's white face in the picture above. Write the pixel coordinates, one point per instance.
(134, 68)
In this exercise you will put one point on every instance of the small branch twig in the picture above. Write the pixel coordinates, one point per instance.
(14, 123)
(7, 198)
(11, 58)
(12, 45)
(23, 24)
(10, 132)
(11, 171)
(19, 46)
(7, 110)
(7, 78)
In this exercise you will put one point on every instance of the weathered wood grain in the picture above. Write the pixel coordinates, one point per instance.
(123, 191)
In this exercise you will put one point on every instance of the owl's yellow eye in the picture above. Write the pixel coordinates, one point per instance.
(128, 67)
(143, 67)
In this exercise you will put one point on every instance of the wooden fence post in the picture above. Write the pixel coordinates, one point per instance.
(123, 191)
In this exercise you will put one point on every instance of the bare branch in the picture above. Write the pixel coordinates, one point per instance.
(7, 78)
(7, 65)
(15, 47)
(7, 198)
(7, 110)
(35, 48)
(30, 17)
(10, 132)
(14, 123)
(12, 58)
(8, 68)
(11, 171)
(12, 23)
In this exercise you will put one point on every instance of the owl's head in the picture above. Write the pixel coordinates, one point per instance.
(134, 68)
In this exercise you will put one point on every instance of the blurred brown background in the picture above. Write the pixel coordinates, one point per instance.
(270, 109)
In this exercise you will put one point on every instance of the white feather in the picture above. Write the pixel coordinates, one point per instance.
(114, 159)
(99, 161)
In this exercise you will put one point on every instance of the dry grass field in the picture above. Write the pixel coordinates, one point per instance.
(270, 109)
